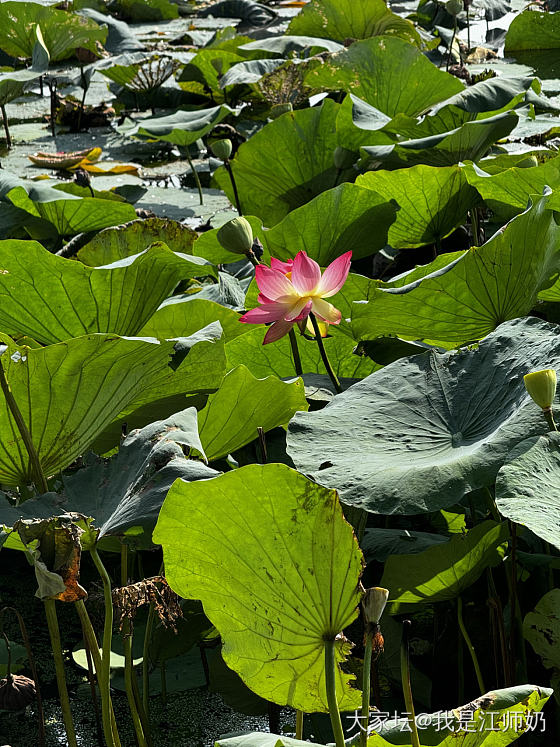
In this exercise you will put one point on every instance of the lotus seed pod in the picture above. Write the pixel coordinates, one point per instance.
(222, 149)
(236, 236)
(454, 7)
(374, 603)
(541, 386)
(343, 158)
(16, 692)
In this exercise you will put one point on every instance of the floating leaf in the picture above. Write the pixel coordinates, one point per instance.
(178, 317)
(274, 616)
(542, 629)
(419, 434)
(181, 128)
(532, 30)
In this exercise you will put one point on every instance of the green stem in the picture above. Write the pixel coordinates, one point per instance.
(333, 377)
(451, 45)
(407, 689)
(227, 164)
(5, 123)
(366, 686)
(146, 658)
(470, 646)
(38, 475)
(475, 226)
(295, 352)
(299, 725)
(330, 683)
(196, 179)
(468, 28)
(163, 683)
(128, 665)
(549, 415)
(104, 674)
(54, 633)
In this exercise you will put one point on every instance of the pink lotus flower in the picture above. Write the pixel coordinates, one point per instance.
(290, 291)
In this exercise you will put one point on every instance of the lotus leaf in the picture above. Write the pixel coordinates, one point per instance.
(533, 29)
(541, 628)
(181, 128)
(178, 317)
(277, 569)
(419, 434)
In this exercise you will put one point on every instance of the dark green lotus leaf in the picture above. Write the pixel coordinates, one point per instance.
(214, 539)
(541, 628)
(67, 299)
(507, 193)
(351, 19)
(126, 492)
(288, 45)
(178, 317)
(476, 292)
(249, 71)
(380, 544)
(365, 116)
(242, 404)
(181, 128)
(420, 433)
(433, 202)
(533, 30)
(262, 360)
(528, 486)
(231, 687)
(14, 82)
(146, 10)
(491, 95)
(62, 31)
(287, 163)
(387, 73)
(67, 214)
(202, 74)
(120, 37)
(444, 571)
(469, 142)
(138, 72)
(345, 218)
(69, 392)
(118, 242)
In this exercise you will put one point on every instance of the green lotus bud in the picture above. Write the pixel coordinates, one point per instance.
(527, 163)
(541, 386)
(278, 109)
(236, 236)
(374, 603)
(221, 149)
(454, 7)
(343, 158)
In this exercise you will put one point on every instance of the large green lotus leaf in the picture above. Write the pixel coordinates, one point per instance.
(495, 719)
(181, 128)
(146, 10)
(68, 393)
(491, 95)
(379, 544)
(288, 45)
(287, 163)
(446, 570)
(476, 292)
(345, 218)
(533, 30)
(470, 141)
(139, 72)
(423, 431)
(433, 202)
(528, 486)
(202, 74)
(507, 193)
(351, 19)
(249, 71)
(387, 73)
(542, 629)
(197, 371)
(14, 82)
(51, 299)
(277, 569)
(180, 318)
(263, 360)
(127, 491)
(133, 237)
(241, 405)
(67, 213)
(62, 31)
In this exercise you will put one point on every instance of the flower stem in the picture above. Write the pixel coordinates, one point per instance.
(330, 683)
(128, 665)
(470, 647)
(295, 352)
(407, 689)
(333, 377)
(366, 687)
(227, 164)
(54, 633)
(103, 676)
(5, 123)
(451, 45)
(549, 415)
(145, 659)
(196, 178)
(299, 724)
(38, 476)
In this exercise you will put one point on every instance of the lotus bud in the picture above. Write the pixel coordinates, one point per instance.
(222, 149)
(527, 163)
(454, 7)
(236, 236)
(16, 692)
(374, 603)
(541, 386)
(343, 158)
(82, 178)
